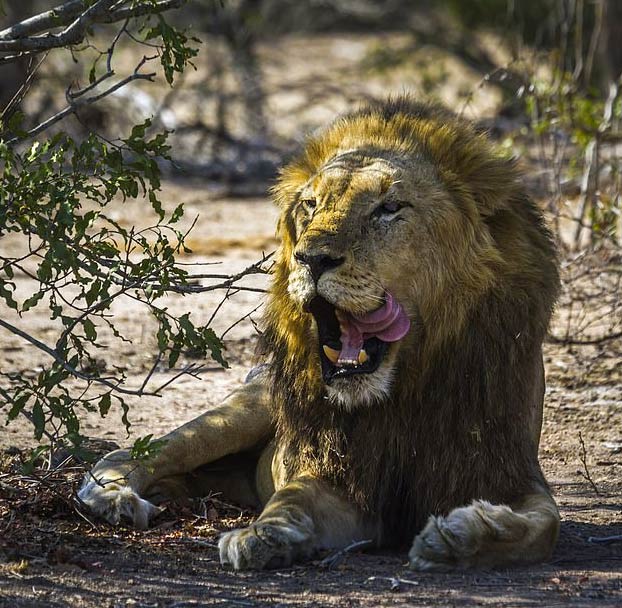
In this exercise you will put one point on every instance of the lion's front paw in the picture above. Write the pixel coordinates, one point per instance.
(467, 537)
(112, 501)
(260, 546)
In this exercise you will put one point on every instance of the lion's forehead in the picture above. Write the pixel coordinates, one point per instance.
(344, 181)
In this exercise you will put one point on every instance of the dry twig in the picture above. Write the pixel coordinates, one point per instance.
(586, 472)
(334, 559)
(396, 582)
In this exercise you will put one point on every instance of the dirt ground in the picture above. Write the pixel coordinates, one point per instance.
(52, 556)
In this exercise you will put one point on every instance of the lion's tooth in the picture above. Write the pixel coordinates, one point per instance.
(348, 363)
(362, 356)
(331, 354)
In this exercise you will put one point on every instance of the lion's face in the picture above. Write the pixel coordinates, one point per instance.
(368, 227)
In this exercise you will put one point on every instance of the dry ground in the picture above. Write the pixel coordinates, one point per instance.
(53, 557)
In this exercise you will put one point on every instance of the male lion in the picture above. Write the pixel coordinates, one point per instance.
(403, 399)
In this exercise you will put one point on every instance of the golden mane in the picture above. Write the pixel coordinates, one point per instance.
(470, 376)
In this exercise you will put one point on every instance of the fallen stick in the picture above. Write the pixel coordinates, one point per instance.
(332, 560)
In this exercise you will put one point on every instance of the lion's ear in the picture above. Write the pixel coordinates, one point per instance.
(494, 184)
(474, 165)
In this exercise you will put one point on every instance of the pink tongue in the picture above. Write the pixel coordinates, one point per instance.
(389, 323)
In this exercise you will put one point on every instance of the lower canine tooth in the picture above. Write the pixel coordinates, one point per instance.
(331, 354)
(362, 356)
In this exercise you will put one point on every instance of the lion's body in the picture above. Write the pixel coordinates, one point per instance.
(406, 200)
(470, 381)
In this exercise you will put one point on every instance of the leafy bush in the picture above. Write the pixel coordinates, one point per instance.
(54, 192)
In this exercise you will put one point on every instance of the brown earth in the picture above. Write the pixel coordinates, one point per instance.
(53, 557)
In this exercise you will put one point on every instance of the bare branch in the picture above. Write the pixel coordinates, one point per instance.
(23, 89)
(246, 316)
(75, 105)
(586, 342)
(56, 17)
(140, 10)
(336, 558)
(586, 472)
(71, 35)
(22, 37)
(591, 157)
(73, 95)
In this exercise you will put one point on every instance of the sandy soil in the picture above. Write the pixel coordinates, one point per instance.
(52, 557)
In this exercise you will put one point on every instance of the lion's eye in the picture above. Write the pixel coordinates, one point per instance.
(389, 207)
(309, 203)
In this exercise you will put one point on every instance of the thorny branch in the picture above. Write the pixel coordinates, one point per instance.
(590, 308)
(334, 559)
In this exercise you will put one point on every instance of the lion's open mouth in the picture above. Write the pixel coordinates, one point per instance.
(350, 345)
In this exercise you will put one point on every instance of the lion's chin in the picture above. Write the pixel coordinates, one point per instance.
(361, 390)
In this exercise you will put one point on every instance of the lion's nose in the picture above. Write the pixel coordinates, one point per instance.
(318, 264)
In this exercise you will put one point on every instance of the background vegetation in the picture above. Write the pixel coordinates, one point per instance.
(98, 102)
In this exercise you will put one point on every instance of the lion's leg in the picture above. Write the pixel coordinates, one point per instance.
(487, 535)
(233, 478)
(115, 485)
(302, 517)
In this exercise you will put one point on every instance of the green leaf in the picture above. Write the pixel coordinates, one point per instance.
(177, 214)
(146, 447)
(93, 292)
(89, 329)
(104, 404)
(29, 465)
(6, 293)
(14, 126)
(18, 405)
(215, 345)
(156, 204)
(38, 419)
(32, 301)
(174, 356)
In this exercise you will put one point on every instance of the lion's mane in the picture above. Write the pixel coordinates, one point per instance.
(455, 426)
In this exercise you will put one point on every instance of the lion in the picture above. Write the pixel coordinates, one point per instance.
(403, 392)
